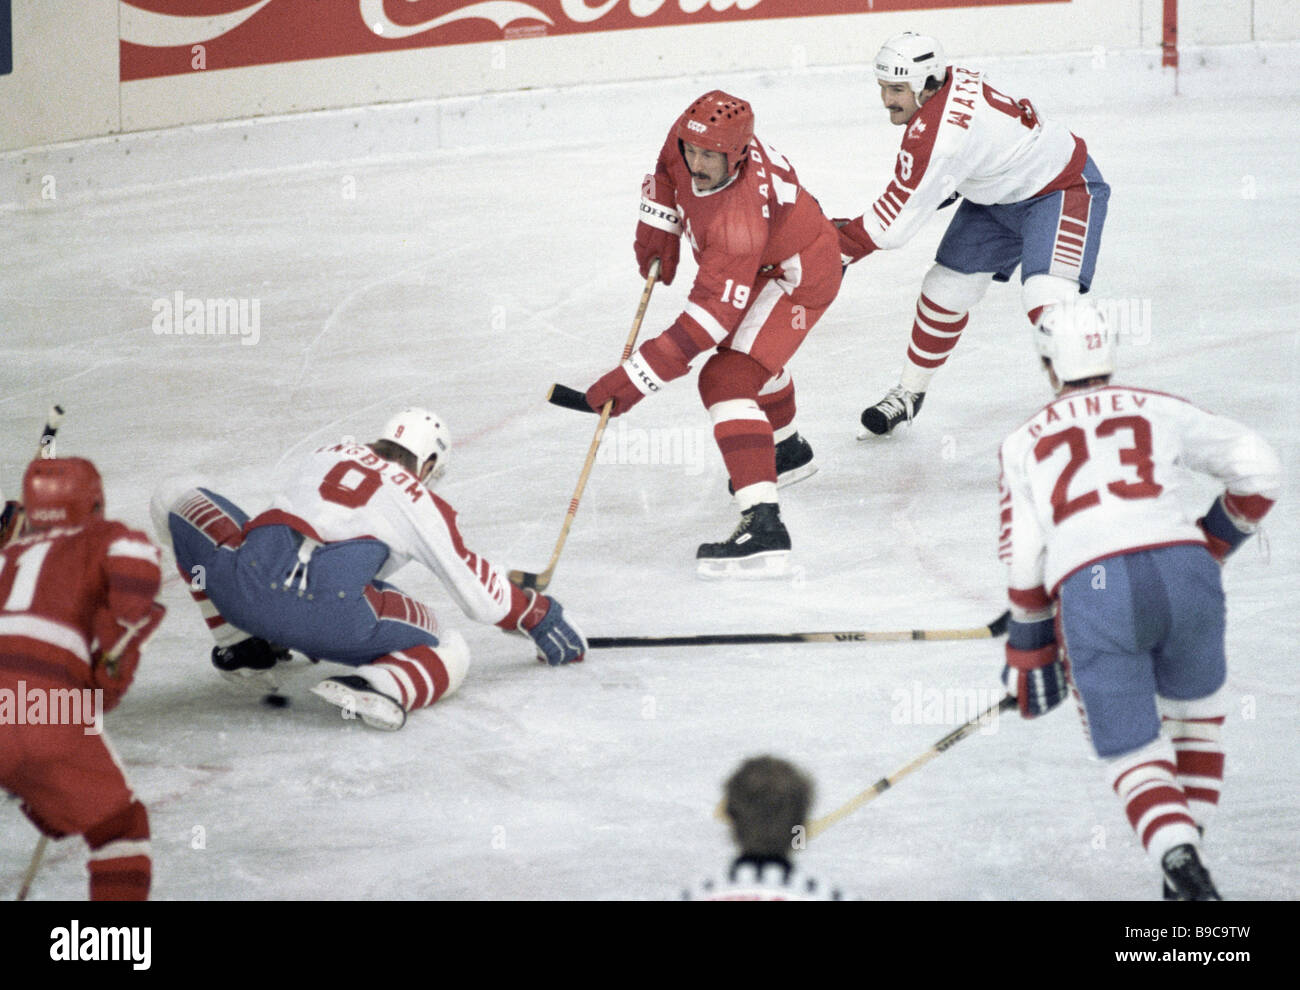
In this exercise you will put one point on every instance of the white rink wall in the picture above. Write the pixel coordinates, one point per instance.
(72, 127)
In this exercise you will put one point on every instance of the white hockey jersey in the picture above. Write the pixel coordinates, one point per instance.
(346, 491)
(971, 139)
(1097, 472)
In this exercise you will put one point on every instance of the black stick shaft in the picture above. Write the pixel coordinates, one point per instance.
(994, 629)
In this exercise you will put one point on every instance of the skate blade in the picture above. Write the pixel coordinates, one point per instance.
(790, 477)
(865, 434)
(257, 682)
(773, 564)
(377, 710)
(795, 475)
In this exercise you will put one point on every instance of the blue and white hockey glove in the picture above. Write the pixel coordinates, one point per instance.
(1231, 520)
(1034, 673)
(558, 640)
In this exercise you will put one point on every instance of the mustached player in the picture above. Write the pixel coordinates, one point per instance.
(1093, 530)
(1031, 197)
(769, 266)
(310, 574)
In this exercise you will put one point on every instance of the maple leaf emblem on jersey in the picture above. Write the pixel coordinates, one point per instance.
(916, 128)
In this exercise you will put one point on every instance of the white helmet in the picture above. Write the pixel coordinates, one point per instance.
(422, 433)
(911, 58)
(1077, 338)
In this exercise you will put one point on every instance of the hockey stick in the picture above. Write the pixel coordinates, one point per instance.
(525, 579)
(123, 641)
(568, 398)
(996, 628)
(37, 855)
(45, 448)
(53, 420)
(820, 825)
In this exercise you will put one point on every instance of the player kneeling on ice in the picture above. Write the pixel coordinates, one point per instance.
(769, 266)
(307, 574)
(1092, 524)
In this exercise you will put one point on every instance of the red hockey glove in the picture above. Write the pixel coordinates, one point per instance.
(627, 385)
(855, 244)
(659, 231)
(558, 640)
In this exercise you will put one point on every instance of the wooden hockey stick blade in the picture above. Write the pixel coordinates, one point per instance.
(568, 398)
(820, 825)
(997, 627)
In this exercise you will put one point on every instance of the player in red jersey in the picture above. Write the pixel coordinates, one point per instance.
(77, 602)
(769, 266)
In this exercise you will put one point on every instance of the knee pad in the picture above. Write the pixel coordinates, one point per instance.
(1039, 291)
(954, 291)
(731, 375)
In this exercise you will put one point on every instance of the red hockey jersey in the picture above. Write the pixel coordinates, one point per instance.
(69, 596)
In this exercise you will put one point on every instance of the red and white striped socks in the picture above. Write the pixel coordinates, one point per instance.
(419, 676)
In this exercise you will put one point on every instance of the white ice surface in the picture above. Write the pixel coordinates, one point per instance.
(469, 282)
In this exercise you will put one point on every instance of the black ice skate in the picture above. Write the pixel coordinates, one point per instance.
(250, 663)
(759, 548)
(897, 406)
(1186, 876)
(357, 696)
(794, 462)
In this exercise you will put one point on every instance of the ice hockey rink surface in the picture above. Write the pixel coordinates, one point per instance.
(468, 282)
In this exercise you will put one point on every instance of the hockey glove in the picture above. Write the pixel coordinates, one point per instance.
(1230, 521)
(1034, 673)
(855, 244)
(659, 232)
(1036, 678)
(627, 385)
(558, 640)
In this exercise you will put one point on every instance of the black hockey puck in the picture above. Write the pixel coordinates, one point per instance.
(275, 700)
